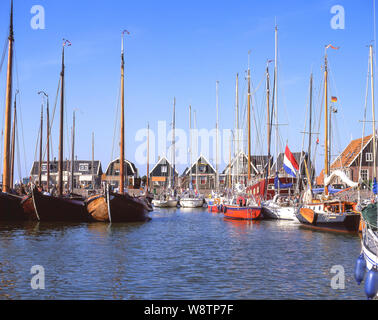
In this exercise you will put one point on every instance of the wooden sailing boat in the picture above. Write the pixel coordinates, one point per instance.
(10, 204)
(121, 207)
(327, 213)
(243, 206)
(60, 208)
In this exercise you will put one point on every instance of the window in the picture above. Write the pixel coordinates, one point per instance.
(365, 175)
(202, 168)
(163, 169)
(203, 180)
(44, 167)
(369, 157)
(83, 167)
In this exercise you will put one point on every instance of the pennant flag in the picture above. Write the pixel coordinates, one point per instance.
(331, 46)
(290, 164)
(333, 99)
(317, 141)
(66, 42)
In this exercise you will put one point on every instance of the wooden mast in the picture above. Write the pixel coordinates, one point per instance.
(249, 119)
(190, 145)
(276, 100)
(48, 146)
(310, 132)
(326, 168)
(373, 113)
(122, 142)
(148, 157)
(237, 126)
(174, 143)
(216, 138)
(8, 103)
(93, 179)
(13, 141)
(73, 153)
(61, 128)
(40, 150)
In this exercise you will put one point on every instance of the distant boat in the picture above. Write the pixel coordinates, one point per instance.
(118, 207)
(10, 204)
(243, 206)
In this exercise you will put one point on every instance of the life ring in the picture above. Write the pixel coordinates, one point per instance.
(241, 201)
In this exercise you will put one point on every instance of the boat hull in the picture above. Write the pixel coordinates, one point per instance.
(59, 209)
(191, 203)
(272, 211)
(11, 208)
(213, 208)
(243, 213)
(339, 222)
(114, 207)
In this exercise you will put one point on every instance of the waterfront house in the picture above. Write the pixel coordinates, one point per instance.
(111, 175)
(160, 173)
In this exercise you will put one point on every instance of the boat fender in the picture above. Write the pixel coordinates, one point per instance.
(359, 269)
(371, 283)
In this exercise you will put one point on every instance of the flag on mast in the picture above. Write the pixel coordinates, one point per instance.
(290, 164)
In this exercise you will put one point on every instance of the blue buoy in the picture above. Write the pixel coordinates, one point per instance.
(359, 269)
(371, 283)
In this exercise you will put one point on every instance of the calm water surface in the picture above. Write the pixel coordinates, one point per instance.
(179, 254)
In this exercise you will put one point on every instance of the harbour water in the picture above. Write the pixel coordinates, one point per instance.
(179, 254)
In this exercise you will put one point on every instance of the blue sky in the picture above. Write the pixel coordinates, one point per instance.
(180, 49)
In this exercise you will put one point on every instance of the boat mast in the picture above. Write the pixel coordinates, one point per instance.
(48, 145)
(195, 126)
(276, 99)
(268, 115)
(13, 141)
(310, 132)
(216, 137)
(174, 143)
(73, 153)
(373, 113)
(326, 165)
(122, 144)
(8, 104)
(237, 127)
(60, 164)
(148, 156)
(249, 118)
(190, 144)
(40, 150)
(93, 179)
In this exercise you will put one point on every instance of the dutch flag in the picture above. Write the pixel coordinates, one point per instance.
(290, 164)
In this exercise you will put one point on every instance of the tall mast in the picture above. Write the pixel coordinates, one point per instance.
(122, 144)
(216, 138)
(40, 150)
(310, 132)
(60, 164)
(8, 104)
(195, 126)
(249, 119)
(373, 113)
(93, 179)
(73, 153)
(326, 165)
(229, 168)
(48, 145)
(174, 143)
(237, 126)
(148, 156)
(190, 144)
(268, 115)
(13, 141)
(276, 96)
